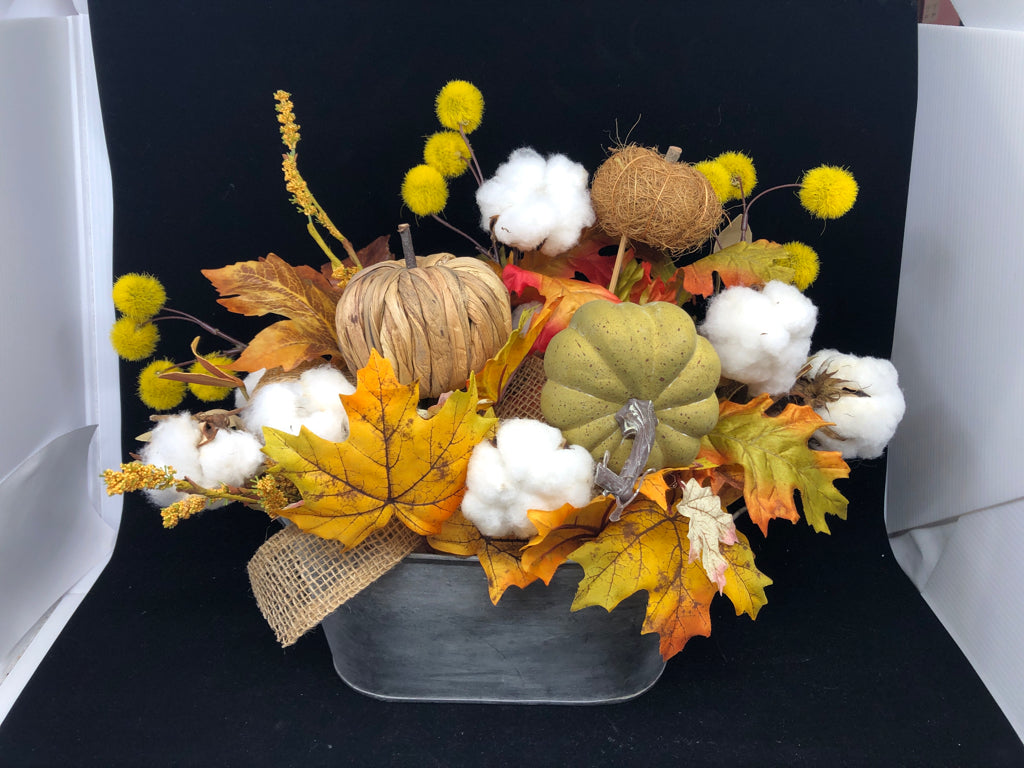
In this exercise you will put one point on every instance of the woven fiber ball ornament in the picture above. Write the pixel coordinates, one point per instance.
(638, 194)
(435, 323)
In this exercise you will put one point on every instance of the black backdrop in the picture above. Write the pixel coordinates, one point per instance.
(168, 661)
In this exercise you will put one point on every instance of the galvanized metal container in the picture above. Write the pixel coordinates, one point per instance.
(427, 631)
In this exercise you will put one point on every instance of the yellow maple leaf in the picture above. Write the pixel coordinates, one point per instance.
(648, 549)
(775, 461)
(394, 462)
(500, 558)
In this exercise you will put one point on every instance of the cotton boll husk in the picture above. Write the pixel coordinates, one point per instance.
(866, 424)
(232, 457)
(174, 443)
(762, 337)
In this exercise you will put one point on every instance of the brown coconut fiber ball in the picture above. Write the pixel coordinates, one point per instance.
(638, 193)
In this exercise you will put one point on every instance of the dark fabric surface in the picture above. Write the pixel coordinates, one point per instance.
(168, 662)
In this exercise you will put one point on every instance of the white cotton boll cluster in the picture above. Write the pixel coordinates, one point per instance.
(311, 401)
(540, 203)
(527, 468)
(864, 424)
(230, 458)
(762, 337)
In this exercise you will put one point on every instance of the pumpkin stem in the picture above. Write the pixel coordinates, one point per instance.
(407, 250)
(636, 419)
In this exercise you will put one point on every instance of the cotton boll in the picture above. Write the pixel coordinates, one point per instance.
(231, 458)
(534, 202)
(527, 468)
(865, 425)
(174, 443)
(275, 405)
(251, 382)
(321, 388)
(762, 337)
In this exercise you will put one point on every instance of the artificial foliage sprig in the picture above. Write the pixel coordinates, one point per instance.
(302, 197)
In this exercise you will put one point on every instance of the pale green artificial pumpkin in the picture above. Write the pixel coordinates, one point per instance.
(610, 353)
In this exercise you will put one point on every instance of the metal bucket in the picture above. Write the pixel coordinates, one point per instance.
(427, 631)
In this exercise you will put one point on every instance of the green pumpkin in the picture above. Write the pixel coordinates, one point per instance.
(612, 352)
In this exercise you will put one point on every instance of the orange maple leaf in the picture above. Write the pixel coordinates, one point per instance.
(394, 462)
(572, 295)
(500, 558)
(648, 549)
(561, 532)
(742, 263)
(775, 461)
(273, 286)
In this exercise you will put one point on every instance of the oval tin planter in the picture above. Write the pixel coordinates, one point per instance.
(427, 631)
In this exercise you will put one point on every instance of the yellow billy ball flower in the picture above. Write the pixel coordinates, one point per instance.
(138, 296)
(719, 179)
(132, 340)
(424, 190)
(447, 153)
(160, 394)
(460, 103)
(804, 261)
(741, 171)
(207, 392)
(828, 191)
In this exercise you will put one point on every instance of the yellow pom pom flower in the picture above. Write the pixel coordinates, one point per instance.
(460, 103)
(827, 191)
(138, 296)
(741, 171)
(804, 261)
(424, 190)
(132, 340)
(207, 392)
(160, 394)
(447, 153)
(719, 178)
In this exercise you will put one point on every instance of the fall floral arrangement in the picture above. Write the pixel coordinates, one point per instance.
(549, 397)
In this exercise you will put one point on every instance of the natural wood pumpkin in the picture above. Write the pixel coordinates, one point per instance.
(435, 323)
(610, 353)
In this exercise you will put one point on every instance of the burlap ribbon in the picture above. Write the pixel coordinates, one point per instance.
(299, 578)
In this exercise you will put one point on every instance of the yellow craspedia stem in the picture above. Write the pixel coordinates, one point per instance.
(138, 296)
(805, 264)
(424, 190)
(447, 153)
(160, 394)
(460, 104)
(828, 191)
(719, 179)
(132, 340)
(207, 392)
(742, 174)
